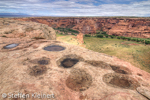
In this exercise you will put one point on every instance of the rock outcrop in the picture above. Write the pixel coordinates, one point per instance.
(72, 73)
(14, 29)
(45, 69)
(129, 27)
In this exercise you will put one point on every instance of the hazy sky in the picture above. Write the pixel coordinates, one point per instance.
(77, 7)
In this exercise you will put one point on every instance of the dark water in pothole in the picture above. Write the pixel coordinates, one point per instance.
(10, 46)
(54, 48)
(68, 62)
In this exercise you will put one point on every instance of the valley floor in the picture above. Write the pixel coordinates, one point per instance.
(136, 53)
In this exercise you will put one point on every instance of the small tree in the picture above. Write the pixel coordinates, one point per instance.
(129, 39)
(112, 37)
(118, 37)
(138, 40)
(99, 36)
(123, 38)
(86, 35)
(147, 42)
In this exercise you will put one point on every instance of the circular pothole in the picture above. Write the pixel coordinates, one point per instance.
(121, 70)
(41, 61)
(79, 80)
(120, 80)
(37, 70)
(9, 46)
(54, 48)
(69, 61)
(100, 64)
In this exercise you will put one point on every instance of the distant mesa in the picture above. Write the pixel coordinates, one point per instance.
(127, 27)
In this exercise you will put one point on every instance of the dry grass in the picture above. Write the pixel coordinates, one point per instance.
(137, 55)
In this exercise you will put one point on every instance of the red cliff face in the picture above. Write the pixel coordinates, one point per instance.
(129, 27)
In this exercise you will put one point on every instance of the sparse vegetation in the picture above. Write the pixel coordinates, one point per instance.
(3, 35)
(86, 35)
(99, 36)
(134, 52)
(66, 30)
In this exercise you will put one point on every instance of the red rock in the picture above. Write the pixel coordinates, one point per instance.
(129, 27)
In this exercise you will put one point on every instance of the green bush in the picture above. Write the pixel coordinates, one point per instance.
(112, 37)
(86, 35)
(99, 36)
(147, 42)
(97, 32)
(133, 39)
(106, 36)
(66, 30)
(3, 35)
(138, 40)
(103, 32)
(72, 34)
(142, 40)
(118, 37)
(129, 39)
(61, 33)
(122, 37)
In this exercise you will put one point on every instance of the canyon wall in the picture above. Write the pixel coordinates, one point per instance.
(128, 27)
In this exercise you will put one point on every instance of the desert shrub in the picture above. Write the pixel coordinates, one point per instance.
(118, 37)
(138, 40)
(123, 38)
(97, 32)
(61, 33)
(72, 34)
(106, 36)
(129, 39)
(99, 36)
(103, 32)
(3, 35)
(142, 40)
(147, 42)
(86, 35)
(112, 36)
(133, 39)
(66, 30)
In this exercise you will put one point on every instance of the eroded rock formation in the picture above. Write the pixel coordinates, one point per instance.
(15, 29)
(129, 27)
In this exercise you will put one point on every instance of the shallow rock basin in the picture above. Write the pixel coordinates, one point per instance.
(10, 46)
(54, 48)
(68, 62)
